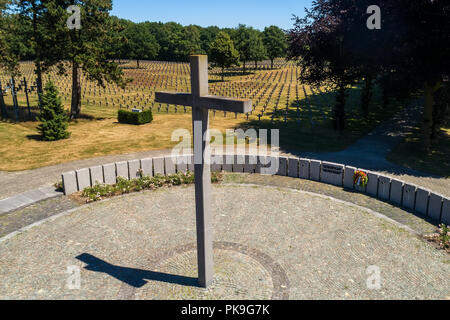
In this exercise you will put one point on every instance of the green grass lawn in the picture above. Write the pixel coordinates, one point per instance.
(98, 133)
(318, 135)
(436, 161)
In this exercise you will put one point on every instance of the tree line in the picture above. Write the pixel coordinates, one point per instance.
(340, 43)
(37, 30)
(173, 42)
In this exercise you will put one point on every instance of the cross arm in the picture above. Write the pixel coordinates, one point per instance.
(205, 102)
(225, 104)
(182, 99)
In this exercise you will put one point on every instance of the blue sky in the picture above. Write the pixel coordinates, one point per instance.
(255, 13)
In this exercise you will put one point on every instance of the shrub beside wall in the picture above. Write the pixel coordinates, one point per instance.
(136, 118)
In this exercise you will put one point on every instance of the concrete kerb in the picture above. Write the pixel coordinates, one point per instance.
(28, 198)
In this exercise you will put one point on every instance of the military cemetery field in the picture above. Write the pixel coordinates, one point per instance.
(173, 153)
(302, 113)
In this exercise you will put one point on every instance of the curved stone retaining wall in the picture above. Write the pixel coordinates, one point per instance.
(410, 197)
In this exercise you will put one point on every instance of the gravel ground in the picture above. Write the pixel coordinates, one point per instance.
(270, 243)
(417, 223)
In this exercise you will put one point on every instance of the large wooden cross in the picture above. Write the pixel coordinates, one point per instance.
(201, 102)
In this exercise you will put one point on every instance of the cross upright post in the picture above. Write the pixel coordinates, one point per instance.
(200, 124)
(201, 102)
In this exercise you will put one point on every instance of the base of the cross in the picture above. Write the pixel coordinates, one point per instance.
(205, 285)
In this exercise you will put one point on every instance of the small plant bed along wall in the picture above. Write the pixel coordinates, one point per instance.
(136, 116)
(123, 186)
(440, 238)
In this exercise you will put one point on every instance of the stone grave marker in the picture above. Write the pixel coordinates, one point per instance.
(122, 169)
(133, 169)
(396, 191)
(314, 170)
(158, 166)
(170, 165)
(434, 207)
(372, 184)
(83, 178)
(349, 174)
(96, 175)
(304, 168)
(293, 167)
(109, 173)
(283, 166)
(69, 182)
(384, 188)
(409, 196)
(147, 167)
(446, 212)
(332, 173)
(422, 196)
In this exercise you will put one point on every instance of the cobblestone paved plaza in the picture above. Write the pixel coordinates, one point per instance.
(270, 243)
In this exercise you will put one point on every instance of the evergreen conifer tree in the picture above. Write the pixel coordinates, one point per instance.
(53, 117)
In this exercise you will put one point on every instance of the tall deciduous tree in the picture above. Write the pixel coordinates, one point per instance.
(176, 42)
(259, 51)
(116, 49)
(246, 42)
(141, 44)
(85, 48)
(411, 50)
(320, 44)
(223, 53)
(276, 44)
(426, 52)
(35, 11)
(370, 48)
(191, 40)
(207, 36)
(8, 61)
(18, 36)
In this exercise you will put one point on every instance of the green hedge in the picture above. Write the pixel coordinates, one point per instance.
(137, 118)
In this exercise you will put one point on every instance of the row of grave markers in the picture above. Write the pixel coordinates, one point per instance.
(269, 91)
(408, 196)
(15, 89)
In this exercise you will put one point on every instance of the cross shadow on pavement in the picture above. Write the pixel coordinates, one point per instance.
(133, 277)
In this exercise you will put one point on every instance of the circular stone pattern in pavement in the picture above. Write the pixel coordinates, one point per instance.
(237, 269)
(269, 244)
